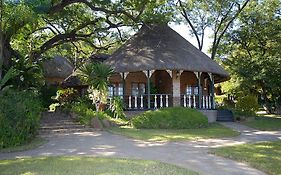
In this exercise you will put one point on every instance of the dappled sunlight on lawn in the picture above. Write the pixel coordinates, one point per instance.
(265, 155)
(213, 131)
(88, 166)
(28, 173)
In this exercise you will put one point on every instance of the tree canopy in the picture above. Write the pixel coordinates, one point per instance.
(251, 52)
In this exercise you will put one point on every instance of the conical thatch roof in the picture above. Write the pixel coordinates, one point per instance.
(58, 67)
(99, 58)
(158, 47)
(71, 81)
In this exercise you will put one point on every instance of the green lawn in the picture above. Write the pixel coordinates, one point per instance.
(265, 156)
(87, 166)
(31, 145)
(265, 123)
(213, 131)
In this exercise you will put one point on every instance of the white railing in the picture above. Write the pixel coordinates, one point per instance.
(141, 101)
(207, 102)
(190, 101)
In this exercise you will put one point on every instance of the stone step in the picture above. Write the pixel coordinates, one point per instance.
(64, 130)
(225, 115)
(74, 126)
(59, 123)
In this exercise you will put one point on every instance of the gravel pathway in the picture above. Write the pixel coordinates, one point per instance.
(192, 154)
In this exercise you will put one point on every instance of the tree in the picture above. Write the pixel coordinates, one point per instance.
(96, 76)
(217, 15)
(1, 38)
(251, 52)
(36, 29)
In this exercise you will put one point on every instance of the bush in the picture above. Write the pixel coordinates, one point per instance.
(247, 105)
(171, 118)
(86, 114)
(116, 108)
(19, 117)
(66, 96)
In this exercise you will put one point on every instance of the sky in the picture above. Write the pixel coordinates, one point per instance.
(183, 30)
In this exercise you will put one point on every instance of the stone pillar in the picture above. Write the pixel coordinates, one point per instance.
(148, 89)
(176, 88)
(212, 91)
(123, 82)
(198, 74)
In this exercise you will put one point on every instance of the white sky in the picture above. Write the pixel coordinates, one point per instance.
(183, 30)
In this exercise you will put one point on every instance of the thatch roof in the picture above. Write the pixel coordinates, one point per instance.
(58, 67)
(158, 47)
(99, 57)
(72, 81)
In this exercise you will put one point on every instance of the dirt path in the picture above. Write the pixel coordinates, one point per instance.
(192, 155)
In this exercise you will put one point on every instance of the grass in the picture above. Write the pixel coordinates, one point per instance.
(265, 156)
(88, 166)
(215, 130)
(31, 145)
(265, 123)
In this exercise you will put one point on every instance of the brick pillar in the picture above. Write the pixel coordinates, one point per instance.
(213, 105)
(176, 88)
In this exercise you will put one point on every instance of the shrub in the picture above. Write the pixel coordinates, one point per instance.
(19, 117)
(66, 96)
(247, 105)
(116, 108)
(86, 114)
(171, 118)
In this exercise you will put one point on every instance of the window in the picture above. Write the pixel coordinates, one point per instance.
(188, 90)
(191, 90)
(195, 90)
(138, 89)
(115, 90)
(110, 91)
(141, 88)
(120, 89)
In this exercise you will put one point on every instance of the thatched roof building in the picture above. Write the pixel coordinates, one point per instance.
(72, 81)
(58, 67)
(158, 47)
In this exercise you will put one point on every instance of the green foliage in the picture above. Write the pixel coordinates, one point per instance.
(65, 96)
(29, 74)
(252, 50)
(81, 109)
(116, 107)
(248, 105)
(96, 75)
(85, 113)
(11, 73)
(171, 118)
(223, 102)
(19, 117)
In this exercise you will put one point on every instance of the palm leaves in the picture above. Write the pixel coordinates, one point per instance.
(96, 76)
(11, 73)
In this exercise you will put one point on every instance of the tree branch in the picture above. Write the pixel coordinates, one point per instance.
(184, 14)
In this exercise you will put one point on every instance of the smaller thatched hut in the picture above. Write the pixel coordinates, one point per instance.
(56, 70)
